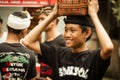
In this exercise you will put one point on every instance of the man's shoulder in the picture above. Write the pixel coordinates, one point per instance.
(3, 44)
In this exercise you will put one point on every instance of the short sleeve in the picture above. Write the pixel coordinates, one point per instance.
(99, 65)
(99, 60)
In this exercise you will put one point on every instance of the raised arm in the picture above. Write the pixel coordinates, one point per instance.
(30, 40)
(105, 41)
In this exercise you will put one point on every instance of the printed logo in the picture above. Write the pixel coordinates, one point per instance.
(14, 65)
(74, 71)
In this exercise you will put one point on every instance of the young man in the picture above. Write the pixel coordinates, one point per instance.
(75, 61)
(16, 61)
(53, 37)
(3, 35)
(51, 30)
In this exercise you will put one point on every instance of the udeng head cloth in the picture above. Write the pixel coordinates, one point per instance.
(19, 23)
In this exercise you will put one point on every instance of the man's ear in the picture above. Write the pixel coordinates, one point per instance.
(88, 32)
(54, 22)
(23, 33)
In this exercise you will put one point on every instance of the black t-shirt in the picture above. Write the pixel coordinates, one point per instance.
(16, 62)
(58, 41)
(86, 65)
(45, 69)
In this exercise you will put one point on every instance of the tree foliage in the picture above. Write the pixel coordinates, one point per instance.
(116, 9)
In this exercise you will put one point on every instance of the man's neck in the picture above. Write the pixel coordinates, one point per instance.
(51, 35)
(12, 38)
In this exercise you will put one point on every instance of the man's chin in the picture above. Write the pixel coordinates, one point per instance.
(69, 46)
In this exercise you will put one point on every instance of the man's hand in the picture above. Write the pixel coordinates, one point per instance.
(93, 7)
(55, 11)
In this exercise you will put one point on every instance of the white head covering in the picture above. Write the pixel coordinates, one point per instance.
(19, 23)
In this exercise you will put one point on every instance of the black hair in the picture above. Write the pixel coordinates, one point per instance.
(11, 30)
(20, 14)
(84, 28)
(1, 20)
(47, 9)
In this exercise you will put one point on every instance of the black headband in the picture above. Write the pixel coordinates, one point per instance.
(81, 20)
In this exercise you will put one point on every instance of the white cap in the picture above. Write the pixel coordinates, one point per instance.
(19, 23)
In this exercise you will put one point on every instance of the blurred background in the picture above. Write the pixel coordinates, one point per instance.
(109, 15)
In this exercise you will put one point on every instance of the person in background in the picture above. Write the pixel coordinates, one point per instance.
(75, 61)
(53, 38)
(16, 61)
(3, 35)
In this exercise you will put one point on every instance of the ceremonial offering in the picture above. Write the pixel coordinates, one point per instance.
(73, 7)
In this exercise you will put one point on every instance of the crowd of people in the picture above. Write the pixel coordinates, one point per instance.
(61, 57)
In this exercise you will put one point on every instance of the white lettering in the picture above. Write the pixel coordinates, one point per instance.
(29, 2)
(45, 3)
(69, 70)
(15, 2)
(16, 64)
(16, 69)
(75, 71)
(4, 2)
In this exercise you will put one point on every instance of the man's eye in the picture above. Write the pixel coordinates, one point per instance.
(65, 30)
(41, 19)
(72, 30)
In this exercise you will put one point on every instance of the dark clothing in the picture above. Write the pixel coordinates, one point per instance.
(86, 65)
(46, 70)
(58, 41)
(16, 62)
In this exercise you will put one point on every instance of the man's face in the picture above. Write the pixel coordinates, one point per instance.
(74, 36)
(41, 18)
